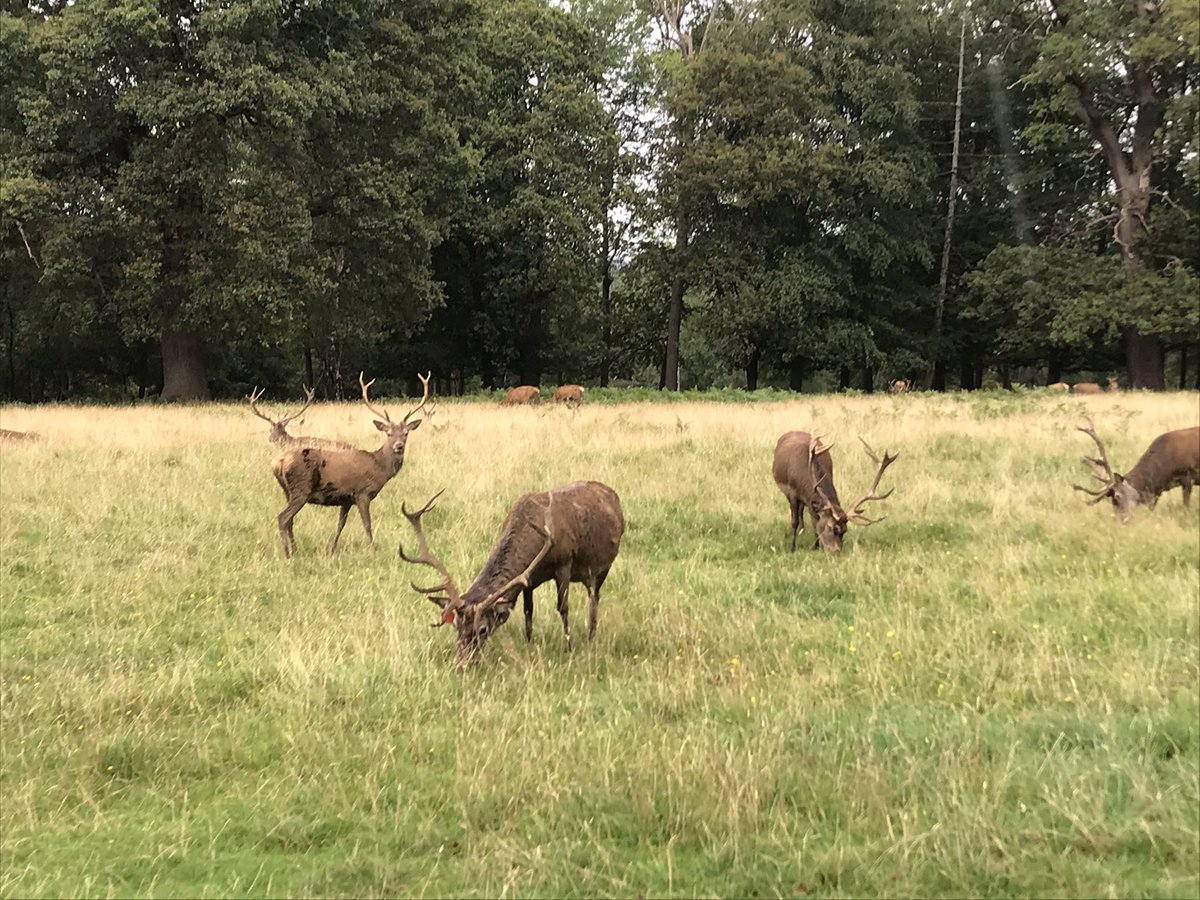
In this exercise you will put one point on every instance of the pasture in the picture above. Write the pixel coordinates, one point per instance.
(992, 692)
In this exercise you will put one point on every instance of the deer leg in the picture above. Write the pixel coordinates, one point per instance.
(563, 582)
(528, 592)
(797, 520)
(342, 513)
(364, 510)
(1186, 484)
(594, 602)
(286, 537)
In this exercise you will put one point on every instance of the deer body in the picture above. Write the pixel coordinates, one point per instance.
(342, 477)
(1061, 386)
(899, 386)
(7, 434)
(803, 471)
(568, 534)
(570, 394)
(1086, 387)
(1172, 460)
(279, 435)
(524, 395)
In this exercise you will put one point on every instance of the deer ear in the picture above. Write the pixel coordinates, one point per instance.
(382, 426)
(415, 425)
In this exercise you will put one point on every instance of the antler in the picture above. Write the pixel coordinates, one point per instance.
(1098, 464)
(424, 397)
(816, 448)
(256, 395)
(425, 557)
(547, 531)
(365, 385)
(855, 512)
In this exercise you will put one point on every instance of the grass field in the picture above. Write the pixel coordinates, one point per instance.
(993, 692)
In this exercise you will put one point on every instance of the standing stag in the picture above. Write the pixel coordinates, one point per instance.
(525, 395)
(344, 478)
(899, 386)
(803, 470)
(1086, 387)
(1171, 460)
(568, 533)
(570, 395)
(279, 435)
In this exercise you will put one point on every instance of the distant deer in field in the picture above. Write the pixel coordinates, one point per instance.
(899, 386)
(1171, 460)
(1114, 386)
(568, 533)
(570, 395)
(1086, 387)
(1061, 386)
(279, 435)
(344, 478)
(525, 395)
(803, 470)
(19, 437)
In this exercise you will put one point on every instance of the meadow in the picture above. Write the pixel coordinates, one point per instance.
(992, 692)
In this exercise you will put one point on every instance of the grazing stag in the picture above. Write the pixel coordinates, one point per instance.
(569, 394)
(279, 435)
(1172, 459)
(343, 478)
(19, 437)
(803, 470)
(1060, 386)
(899, 386)
(568, 533)
(525, 395)
(1087, 387)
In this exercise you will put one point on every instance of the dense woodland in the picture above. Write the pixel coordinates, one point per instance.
(196, 197)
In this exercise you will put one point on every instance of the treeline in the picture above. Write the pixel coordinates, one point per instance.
(200, 196)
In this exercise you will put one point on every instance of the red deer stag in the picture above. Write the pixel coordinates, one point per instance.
(525, 395)
(1172, 459)
(1060, 386)
(279, 435)
(803, 470)
(19, 437)
(344, 478)
(568, 533)
(1114, 385)
(899, 386)
(571, 395)
(1086, 387)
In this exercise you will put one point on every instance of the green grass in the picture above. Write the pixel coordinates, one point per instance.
(993, 692)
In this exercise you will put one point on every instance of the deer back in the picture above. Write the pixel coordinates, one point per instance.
(587, 524)
(524, 394)
(797, 475)
(568, 393)
(1087, 387)
(1170, 458)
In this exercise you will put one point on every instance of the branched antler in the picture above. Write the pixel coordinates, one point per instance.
(547, 531)
(366, 385)
(425, 557)
(1098, 464)
(855, 512)
(256, 395)
(424, 379)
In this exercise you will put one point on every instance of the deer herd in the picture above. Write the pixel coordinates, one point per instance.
(572, 533)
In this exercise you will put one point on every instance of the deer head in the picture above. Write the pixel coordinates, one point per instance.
(1113, 484)
(832, 520)
(476, 619)
(397, 432)
(279, 433)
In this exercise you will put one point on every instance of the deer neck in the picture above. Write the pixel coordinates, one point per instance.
(387, 461)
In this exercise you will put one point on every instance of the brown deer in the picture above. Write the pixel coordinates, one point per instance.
(19, 437)
(525, 395)
(278, 433)
(1086, 387)
(569, 533)
(1172, 459)
(343, 478)
(899, 386)
(803, 470)
(1060, 386)
(570, 395)
(1114, 386)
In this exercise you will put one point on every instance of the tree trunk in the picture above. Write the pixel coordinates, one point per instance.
(1054, 371)
(843, 378)
(752, 371)
(868, 379)
(675, 318)
(184, 376)
(605, 328)
(308, 367)
(1183, 364)
(796, 374)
